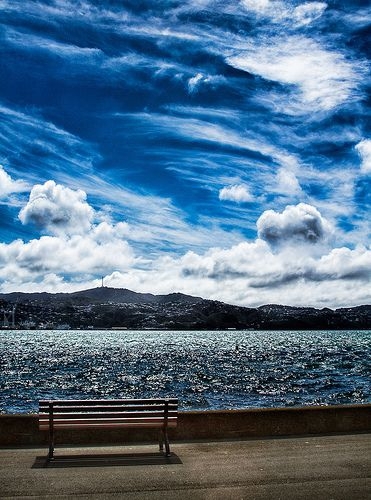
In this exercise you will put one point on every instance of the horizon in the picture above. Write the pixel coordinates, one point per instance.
(178, 293)
(219, 149)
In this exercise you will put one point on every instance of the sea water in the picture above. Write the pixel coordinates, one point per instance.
(205, 370)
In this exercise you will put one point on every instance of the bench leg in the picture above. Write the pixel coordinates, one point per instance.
(161, 440)
(51, 431)
(163, 437)
(51, 444)
(167, 444)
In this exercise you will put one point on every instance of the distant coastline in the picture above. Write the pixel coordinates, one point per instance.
(121, 309)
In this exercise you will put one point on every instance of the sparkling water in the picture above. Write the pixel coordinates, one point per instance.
(205, 370)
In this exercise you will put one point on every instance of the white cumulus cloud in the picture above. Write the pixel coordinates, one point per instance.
(271, 269)
(238, 193)
(301, 223)
(80, 257)
(251, 274)
(76, 251)
(58, 209)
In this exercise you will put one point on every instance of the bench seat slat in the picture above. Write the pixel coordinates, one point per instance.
(81, 418)
(96, 409)
(126, 423)
(109, 423)
(106, 414)
(109, 426)
(106, 408)
(45, 421)
(118, 402)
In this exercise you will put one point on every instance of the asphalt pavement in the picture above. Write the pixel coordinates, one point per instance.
(309, 467)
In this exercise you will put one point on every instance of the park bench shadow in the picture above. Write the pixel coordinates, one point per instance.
(105, 460)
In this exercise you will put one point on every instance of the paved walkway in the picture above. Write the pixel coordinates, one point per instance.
(320, 467)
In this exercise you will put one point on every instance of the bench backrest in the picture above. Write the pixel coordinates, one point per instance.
(85, 413)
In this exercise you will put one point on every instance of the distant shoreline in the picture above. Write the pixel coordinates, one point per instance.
(124, 329)
(118, 309)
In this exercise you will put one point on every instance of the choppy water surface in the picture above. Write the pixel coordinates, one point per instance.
(206, 370)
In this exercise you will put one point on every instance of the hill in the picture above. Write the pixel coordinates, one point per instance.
(105, 307)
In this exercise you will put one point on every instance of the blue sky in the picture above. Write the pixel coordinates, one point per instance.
(216, 148)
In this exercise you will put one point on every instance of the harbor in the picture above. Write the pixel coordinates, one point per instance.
(205, 370)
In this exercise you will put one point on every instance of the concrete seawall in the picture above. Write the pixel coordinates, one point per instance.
(21, 430)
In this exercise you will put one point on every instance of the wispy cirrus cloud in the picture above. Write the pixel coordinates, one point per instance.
(364, 150)
(28, 139)
(202, 129)
(9, 186)
(322, 77)
(287, 183)
(279, 11)
(37, 43)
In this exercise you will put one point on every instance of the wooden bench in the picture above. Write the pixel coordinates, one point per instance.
(159, 414)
